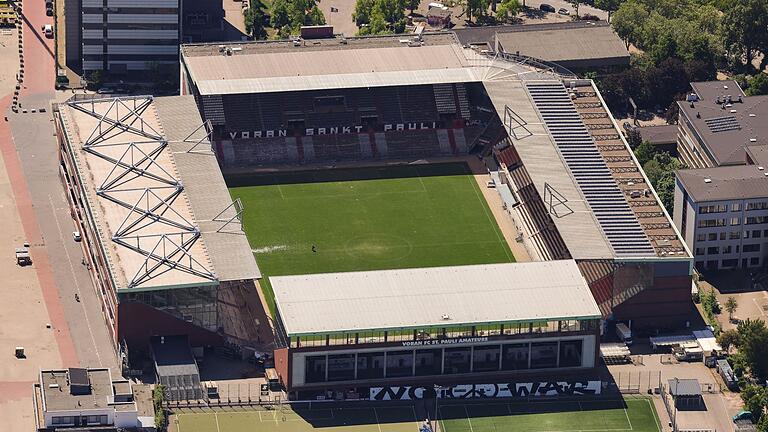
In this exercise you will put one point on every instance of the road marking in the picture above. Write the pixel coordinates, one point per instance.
(628, 421)
(376, 413)
(74, 279)
(471, 429)
(216, 417)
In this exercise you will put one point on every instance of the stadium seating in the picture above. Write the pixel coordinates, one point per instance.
(414, 144)
(262, 151)
(336, 147)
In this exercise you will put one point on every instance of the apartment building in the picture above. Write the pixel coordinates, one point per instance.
(721, 203)
(125, 37)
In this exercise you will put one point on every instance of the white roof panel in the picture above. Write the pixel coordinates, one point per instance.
(335, 302)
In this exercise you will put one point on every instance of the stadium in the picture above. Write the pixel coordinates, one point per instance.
(354, 170)
(564, 171)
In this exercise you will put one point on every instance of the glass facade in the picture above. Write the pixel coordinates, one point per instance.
(439, 333)
(196, 304)
(396, 363)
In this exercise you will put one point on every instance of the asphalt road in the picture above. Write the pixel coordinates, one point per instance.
(583, 8)
(33, 136)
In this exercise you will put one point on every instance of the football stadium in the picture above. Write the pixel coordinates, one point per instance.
(326, 200)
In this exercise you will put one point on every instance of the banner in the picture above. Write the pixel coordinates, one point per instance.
(504, 390)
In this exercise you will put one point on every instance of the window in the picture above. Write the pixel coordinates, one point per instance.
(735, 221)
(752, 247)
(64, 420)
(754, 220)
(370, 365)
(754, 261)
(315, 369)
(708, 223)
(734, 235)
(515, 356)
(701, 237)
(713, 250)
(341, 367)
(570, 353)
(712, 236)
(736, 207)
(543, 355)
(726, 249)
(429, 362)
(722, 236)
(486, 358)
(457, 360)
(757, 234)
(399, 363)
(729, 263)
(700, 251)
(718, 208)
(757, 206)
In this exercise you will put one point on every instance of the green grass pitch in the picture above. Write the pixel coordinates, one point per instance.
(367, 219)
(631, 415)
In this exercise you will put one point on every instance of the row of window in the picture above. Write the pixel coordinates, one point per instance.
(443, 361)
(722, 208)
(432, 333)
(751, 220)
(716, 250)
(80, 420)
(732, 235)
(728, 263)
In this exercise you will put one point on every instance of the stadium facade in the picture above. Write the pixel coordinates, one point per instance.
(162, 238)
(577, 192)
(382, 334)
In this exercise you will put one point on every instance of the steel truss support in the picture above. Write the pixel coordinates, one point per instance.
(139, 183)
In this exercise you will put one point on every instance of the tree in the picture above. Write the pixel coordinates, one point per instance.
(754, 398)
(289, 15)
(362, 13)
(608, 5)
(508, 9)
(629, 19)
(475, 8)
(661, 173)
(254, 20)
(731, 305)
(753, 345)
(758, 85)
(575, 4)
(745, 27)
(412, 5)
(644, 152)
(380, 16)
(728, 339)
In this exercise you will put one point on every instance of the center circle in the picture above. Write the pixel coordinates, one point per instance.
(378, 247)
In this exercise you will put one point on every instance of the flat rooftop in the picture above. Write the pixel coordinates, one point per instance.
(274, 66)
(410, 298)
(57, 395)
(727, 129)
(154, 227)
(724, 183)
(564, 44)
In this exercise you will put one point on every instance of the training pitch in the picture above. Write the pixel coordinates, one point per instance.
(631, 415)
(368, 219)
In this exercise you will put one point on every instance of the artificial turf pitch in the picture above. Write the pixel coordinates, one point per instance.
(631, 415)
(373, 218)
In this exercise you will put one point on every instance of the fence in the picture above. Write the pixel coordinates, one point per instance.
(637, 382)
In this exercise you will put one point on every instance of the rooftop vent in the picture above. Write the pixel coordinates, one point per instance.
(760, 168)
(752, 115)
(446, 317)
(707, 180)
(753, 140)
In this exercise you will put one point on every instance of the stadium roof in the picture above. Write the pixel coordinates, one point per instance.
(152, 224)
(337, 302)
(724, 183)
(572, 46)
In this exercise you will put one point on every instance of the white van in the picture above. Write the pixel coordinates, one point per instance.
(48, 30)
(624, 333)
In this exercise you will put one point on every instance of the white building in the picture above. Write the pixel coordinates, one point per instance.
(121, 36)
(721, 206)
(80, 398)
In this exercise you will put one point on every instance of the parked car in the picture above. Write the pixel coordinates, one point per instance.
(743, 415)
(563, 11)
(49, 11)
(76, 236)
(547, 7)
(48, 31)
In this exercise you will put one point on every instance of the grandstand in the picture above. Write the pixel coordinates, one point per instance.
(162, 237)
(578, 193)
